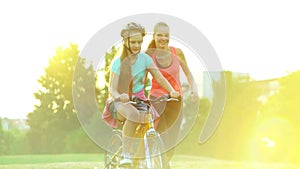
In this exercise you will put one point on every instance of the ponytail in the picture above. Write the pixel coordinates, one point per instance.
(151, 47)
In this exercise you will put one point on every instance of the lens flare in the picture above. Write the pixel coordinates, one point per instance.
(274, 140)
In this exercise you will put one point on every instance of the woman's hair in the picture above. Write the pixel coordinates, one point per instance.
(125, 68)
(152, 44)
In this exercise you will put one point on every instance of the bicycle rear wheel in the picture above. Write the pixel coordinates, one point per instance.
(113, 153)
(156, 157)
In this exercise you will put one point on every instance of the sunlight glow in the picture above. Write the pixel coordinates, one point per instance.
(272, 140)
(268, 142)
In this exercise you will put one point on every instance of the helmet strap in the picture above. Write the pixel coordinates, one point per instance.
(128, 47)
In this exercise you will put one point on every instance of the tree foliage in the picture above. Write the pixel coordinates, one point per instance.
(2, 139)
(285, 102)
(237, 122)
(103, 75)
(239, 116)
(54, 117)
(280, 118)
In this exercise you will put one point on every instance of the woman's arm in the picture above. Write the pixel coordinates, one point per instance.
(113, 88)
(187, 71)
(161, 80)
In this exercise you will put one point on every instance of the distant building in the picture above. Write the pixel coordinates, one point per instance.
(9, 124)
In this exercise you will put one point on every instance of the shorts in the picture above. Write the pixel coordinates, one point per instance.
(112, 107)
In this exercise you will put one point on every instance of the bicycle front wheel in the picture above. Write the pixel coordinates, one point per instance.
(113, 153)
(156, 157)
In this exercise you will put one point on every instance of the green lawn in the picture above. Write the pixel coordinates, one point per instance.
(91, 161)
(50, 158)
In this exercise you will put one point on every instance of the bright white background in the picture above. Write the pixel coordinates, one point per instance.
(257, 37)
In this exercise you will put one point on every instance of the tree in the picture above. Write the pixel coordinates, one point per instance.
(55, 116)
(2, 139)
(6, 138)
(237, 123)
(280, 119)
(103, 92)
(239, 117)
(189, 145)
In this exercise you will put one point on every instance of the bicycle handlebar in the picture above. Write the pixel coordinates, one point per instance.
(165, 98)
(136, 100)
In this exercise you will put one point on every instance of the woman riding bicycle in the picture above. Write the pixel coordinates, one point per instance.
(127, 77)
(169, 60)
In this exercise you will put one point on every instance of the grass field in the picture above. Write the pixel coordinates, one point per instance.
(91, 161)
(55, 161)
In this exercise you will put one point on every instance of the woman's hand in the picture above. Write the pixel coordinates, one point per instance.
(124, 97)
(174, 94)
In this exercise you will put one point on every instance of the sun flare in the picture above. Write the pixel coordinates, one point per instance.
(272, 141)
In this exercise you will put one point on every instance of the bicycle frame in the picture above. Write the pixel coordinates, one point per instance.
(147, 132)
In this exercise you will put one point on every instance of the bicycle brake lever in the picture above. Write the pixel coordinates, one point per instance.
(131, 102)
(168, 99)
(172, 99)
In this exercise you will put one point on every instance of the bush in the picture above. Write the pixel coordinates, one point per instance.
(79, 142)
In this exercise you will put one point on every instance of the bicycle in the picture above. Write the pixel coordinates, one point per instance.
(153, 157)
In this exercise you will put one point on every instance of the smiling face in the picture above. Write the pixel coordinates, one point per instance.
(161, 36)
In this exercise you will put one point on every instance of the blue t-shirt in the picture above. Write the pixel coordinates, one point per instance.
(138, 70)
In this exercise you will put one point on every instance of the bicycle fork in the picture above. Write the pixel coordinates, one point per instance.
(150, 140)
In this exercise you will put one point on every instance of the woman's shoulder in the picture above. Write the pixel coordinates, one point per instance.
(116, 61)
(144, 56)
(177, 50)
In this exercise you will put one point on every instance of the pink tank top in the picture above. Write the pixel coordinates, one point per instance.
(171, 73)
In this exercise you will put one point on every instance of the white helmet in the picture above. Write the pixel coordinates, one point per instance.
(132, 27)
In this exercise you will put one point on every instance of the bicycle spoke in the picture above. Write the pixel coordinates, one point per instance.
(154, 156)
(113, 155)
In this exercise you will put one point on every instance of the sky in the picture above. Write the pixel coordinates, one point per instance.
(260, 37)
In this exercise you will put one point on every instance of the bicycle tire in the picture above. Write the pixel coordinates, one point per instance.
(156, 158)
(113, 153)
